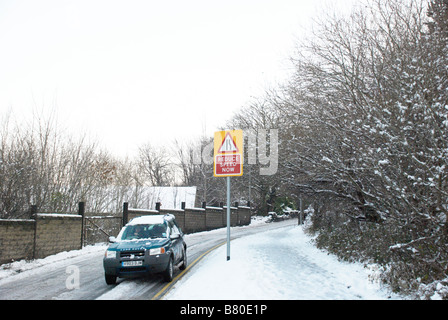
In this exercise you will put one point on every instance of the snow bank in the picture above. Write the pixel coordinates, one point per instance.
(276, 265)
(17, 267)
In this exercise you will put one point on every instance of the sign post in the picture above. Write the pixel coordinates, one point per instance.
(228, 218)
(228, 162)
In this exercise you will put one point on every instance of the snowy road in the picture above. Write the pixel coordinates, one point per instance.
(49, 278)
(278, 264)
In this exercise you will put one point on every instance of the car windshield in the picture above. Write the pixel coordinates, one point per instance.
(143, 231)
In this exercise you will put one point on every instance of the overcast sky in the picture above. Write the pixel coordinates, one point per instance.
(131, 72)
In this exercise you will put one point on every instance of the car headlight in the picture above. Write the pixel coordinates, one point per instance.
(111, 254)
(155, 251)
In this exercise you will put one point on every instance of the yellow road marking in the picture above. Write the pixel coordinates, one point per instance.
(171, 284)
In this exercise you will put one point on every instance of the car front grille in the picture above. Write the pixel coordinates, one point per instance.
(132, 254)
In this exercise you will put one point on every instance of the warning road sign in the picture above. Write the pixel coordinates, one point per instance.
(228, 162)
(228, 145)
(228, 156)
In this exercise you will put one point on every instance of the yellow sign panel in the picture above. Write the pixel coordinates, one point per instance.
(228, 155)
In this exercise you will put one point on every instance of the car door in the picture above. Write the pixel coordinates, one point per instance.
(176, 242)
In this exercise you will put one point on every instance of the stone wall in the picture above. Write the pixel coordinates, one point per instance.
(215, 218)
(244, 216)
(48, 234)
(57, 233)
(45, 235)
(16, 240)
(192, 220)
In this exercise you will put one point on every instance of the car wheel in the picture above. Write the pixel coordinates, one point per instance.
(110, 279)
(183, 266)
(168, 274)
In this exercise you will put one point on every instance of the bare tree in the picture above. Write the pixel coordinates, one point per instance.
(156, 165)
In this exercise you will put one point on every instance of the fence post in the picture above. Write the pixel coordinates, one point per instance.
(249, 204)
(33, 212)
(158, 205)
(125, 213)
(81, 212)
(204, 206)
(182, 205)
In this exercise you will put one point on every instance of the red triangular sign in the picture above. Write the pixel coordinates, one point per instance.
(228, 145)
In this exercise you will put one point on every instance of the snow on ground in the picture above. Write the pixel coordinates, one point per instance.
(280, 264)
(18, 267)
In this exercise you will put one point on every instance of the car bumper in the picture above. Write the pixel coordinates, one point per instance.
(150, 264)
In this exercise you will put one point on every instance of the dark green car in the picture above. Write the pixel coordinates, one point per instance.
(146, 245)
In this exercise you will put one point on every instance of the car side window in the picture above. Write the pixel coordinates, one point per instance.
(175, 229)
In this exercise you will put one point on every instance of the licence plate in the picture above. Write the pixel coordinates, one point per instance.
(131, 263)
